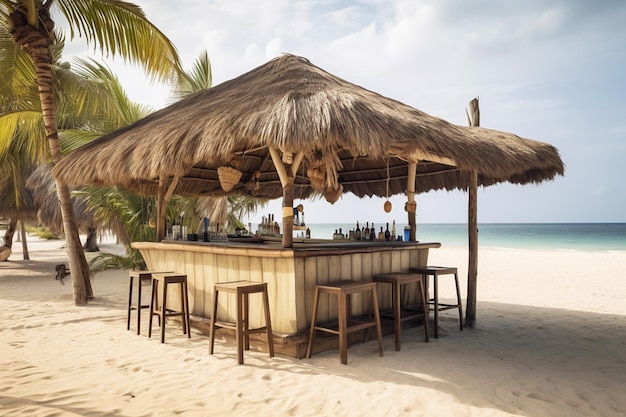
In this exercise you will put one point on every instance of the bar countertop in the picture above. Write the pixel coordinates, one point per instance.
(271, 247)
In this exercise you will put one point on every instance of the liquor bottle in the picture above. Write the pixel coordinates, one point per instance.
(393, 230)
(357, 232)
(381, 234)
(302, 221)
(308, 233)
(366, 232)
(387, 232)
(341, 236)
(372, 235)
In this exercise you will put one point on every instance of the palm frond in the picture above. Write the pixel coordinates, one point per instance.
(121, 29)
(23, 129)
(200, 77)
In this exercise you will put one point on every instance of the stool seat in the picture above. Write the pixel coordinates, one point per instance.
(160, 282)
(435, 272)
(345, 325)
(242, 291)
(142, 277)
(397, 279)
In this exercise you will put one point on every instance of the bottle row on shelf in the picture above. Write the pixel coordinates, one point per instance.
(368, 233)
(268, 226)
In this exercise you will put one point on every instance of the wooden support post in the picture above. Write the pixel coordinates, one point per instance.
(472, 270)
(161, 209)
(287, 181)
(473, 118)
(410, 196)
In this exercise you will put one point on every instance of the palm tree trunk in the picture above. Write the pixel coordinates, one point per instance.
(25, 254)
(36, 42)
(91, 243)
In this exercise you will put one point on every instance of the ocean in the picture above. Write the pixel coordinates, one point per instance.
(557, 236)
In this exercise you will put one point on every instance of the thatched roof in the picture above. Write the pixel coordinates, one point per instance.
(357, 136)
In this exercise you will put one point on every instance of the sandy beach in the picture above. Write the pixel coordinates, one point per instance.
(550, 340)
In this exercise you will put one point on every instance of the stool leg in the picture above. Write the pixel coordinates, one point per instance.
(458, 298)
(138, 305)
(130, 298)
(424, 299)
(213, 319)
(186, 311)
(152, 303)
(436, 292)
(239, 329)
(268, 323)
(379, 331)
(181, 287)
(397, 324)
(342, 317)
(312, 332)
(163, 311)
(246, 321)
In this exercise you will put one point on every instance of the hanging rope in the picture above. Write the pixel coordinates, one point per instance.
(387, 194)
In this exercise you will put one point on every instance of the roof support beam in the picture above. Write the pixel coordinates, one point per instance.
(171, 189)
(420, 155)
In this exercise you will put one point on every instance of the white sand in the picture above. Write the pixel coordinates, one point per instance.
(550, 340)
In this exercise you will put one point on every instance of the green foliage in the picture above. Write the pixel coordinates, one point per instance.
(105, 261)
(42, 232)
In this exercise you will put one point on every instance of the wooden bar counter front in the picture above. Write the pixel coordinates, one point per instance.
(291, 276)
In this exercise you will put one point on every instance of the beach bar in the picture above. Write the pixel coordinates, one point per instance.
(291, 275)
(290, 130)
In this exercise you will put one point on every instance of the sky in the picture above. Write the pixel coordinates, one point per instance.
(549, 70)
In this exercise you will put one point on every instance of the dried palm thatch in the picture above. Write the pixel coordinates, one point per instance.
(41, 184)
(359, 138)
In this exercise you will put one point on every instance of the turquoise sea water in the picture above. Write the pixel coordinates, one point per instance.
(559, 236)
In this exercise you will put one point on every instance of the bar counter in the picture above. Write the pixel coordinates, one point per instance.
(291, 274)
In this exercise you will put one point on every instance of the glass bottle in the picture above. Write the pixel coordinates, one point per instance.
(357, 232)
(372, 235)
(302, 220)
(381, 234)
(366, 232)
(387, 232)
(393, 230)
(308, 233)
(335, 235)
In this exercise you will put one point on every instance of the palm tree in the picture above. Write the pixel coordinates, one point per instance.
(116, 27)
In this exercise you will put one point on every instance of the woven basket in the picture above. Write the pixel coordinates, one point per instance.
(332, 195)
(229, 177)
(317, 178)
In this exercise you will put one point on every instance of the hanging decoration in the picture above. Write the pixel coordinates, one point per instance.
(332, 194)
(317, 175)
(387, 205)
(253, 183)
(229, 177)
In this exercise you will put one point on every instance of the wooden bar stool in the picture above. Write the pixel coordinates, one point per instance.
(160, 282)
(345, 325)
(142, 277)
(435, 271)
(397, 280)
(242, 290)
